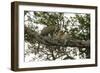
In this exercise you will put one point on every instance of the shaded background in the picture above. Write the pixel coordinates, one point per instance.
(56, 36)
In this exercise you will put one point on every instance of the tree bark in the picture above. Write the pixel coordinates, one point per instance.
(51, 42)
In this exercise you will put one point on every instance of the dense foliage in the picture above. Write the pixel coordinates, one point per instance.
(51, 45)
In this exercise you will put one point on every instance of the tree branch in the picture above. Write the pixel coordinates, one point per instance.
(51, 42)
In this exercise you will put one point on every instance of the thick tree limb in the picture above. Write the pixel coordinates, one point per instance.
(52, 42)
